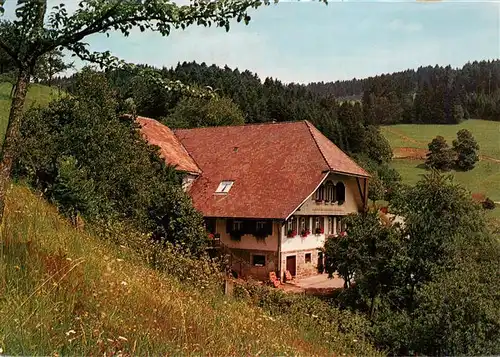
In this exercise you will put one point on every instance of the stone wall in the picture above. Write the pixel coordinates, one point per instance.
(242, 263)
(303, 269)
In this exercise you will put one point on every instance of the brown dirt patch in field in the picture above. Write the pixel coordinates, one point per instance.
(478, 197)
(409, 153)
(489, 158)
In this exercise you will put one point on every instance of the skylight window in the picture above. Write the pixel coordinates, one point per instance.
(224, 187)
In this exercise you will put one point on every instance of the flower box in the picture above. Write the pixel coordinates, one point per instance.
(305, 233)
(320, 231)
(261, 235)
(291, 233)
(236, 235)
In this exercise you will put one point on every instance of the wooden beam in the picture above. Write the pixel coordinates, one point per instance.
(366, 195)
(361, 192)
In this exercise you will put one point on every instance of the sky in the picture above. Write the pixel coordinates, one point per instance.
(309, 41)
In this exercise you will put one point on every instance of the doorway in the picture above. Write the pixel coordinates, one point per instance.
(291, 264)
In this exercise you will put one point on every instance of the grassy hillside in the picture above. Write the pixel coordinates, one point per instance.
(68, 292)
(37, 95)
(409, 143)
(487, 133)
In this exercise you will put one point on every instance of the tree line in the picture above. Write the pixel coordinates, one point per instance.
(431, 95)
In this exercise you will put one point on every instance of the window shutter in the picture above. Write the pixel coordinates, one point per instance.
(269, 227)
(229, 225)
(340, 191)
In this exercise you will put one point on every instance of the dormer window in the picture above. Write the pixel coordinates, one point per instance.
(224, 187)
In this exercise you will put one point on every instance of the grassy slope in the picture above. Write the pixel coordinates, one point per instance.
(484, 178)
(68, 292)
(65, 291)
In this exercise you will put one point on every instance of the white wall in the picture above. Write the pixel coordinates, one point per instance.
(311, 242)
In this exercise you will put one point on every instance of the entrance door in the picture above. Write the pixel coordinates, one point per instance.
(291, 264)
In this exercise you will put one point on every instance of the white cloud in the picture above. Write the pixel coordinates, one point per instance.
(400, 25)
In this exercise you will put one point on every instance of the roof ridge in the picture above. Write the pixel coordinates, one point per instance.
(242, 125)
(309, 127)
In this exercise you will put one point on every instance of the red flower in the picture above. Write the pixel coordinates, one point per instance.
(210, 236)
(291, 233)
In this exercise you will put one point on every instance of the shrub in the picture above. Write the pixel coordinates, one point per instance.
(440, 156)
(89, 160)
(466, 148)
(488, 203)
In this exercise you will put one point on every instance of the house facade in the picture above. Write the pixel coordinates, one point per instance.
(271, 194)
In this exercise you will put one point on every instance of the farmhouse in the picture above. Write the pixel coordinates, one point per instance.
(270, 193)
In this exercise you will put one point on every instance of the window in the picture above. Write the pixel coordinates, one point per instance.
(237, 225)
(303, 223)
(329, 191)
(340, 225)
(308, 257)
(317, 222)
(261, 226)
(224, 187)
(289, 224)
(320, 193)
(340, 192)
(258, 260)
(210, 225)
(331, 225)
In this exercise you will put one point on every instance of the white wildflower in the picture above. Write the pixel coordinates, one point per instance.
(124, 283)
(70, 332)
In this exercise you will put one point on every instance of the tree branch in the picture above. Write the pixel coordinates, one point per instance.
(11, 53)
(94, 28)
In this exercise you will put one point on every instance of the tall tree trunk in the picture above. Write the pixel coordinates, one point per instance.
(9, 147)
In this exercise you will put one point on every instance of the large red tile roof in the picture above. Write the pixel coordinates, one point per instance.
(274, 166)
(170, 148)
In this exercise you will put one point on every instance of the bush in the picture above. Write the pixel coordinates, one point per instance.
(440, 156)
(466, 148)
(91, 162)
(488, 203)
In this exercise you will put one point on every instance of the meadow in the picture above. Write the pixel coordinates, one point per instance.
(37, 95)
(409, 144)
